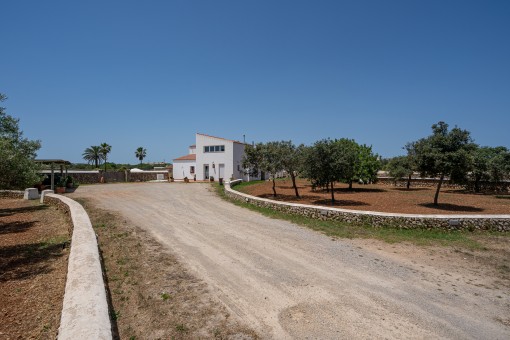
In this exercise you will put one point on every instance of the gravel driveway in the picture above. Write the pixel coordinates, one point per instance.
(286, 281)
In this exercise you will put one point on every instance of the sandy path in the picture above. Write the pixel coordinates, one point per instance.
(286, 281)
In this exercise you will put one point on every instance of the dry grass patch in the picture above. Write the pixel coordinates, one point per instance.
(34, 250)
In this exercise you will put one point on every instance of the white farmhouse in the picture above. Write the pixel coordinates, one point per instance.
(211, 157)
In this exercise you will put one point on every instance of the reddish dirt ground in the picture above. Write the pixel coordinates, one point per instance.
(384, 198)
(33, 268)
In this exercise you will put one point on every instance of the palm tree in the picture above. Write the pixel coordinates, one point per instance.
(140, 153)
(105, 149)
(93, 155)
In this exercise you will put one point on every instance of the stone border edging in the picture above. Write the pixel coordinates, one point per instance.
(85, 308)
(380, 219)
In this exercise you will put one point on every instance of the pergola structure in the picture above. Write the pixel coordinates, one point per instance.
(52, 163)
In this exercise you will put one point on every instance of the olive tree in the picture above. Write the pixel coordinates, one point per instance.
(346, 160)
(399, 167)
(445, 153)
(291, 159)
(367, 165)
(320, 164)
(266, 157)
(252, 159)
(490, 164)
(17, 154)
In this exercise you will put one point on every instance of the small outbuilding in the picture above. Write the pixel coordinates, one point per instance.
(53, 164)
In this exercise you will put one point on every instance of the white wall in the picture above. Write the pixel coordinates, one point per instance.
(238, 170)
(182, 169)
(224, 157)
(232, 158)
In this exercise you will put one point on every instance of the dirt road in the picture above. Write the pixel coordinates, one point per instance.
(286, 281)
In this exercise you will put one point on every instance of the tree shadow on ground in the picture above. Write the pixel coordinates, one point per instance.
(339, 203)
(282, 197)
(15, 227)
(352, 191)
(451, 207)
(24, 261)
(12, 211)
(411, 189)
(290, 187)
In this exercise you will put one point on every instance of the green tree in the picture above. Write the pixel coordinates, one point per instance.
(271, 153)
(252, 159)
(367, 165)
(444, 153)
(399, 167)
(273, 158)
(17, 154)
(347, 161)
(93, 155)
(291, 159)
(105, 149)
(140, 153)
(490, 164)
(321, 164)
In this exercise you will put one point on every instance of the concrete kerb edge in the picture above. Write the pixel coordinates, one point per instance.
(85, 307)
(404, 219)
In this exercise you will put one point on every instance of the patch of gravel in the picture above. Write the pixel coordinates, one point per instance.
(152, 295)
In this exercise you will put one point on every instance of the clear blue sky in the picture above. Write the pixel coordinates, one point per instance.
(152, 73)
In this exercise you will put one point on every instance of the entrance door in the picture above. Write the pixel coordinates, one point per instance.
(221, 171)
(206, 171)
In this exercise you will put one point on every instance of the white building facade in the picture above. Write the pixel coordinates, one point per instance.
(211, 158)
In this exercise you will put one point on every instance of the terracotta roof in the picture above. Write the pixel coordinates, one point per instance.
(230, 140)
(190, 157)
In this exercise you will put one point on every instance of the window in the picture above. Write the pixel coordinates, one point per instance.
(191, 169)
(214, 148)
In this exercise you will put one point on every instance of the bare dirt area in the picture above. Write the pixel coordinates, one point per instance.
(287, 281)
(383, 198)
(152, 294)
(34, 242)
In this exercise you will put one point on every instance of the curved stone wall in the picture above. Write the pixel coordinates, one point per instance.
(379, 219)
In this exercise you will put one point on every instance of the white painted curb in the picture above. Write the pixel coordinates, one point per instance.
(85, 309)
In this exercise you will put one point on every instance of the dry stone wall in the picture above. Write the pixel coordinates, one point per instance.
(379, 219)
(11, 193)
(147, 176)
(92, 177)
